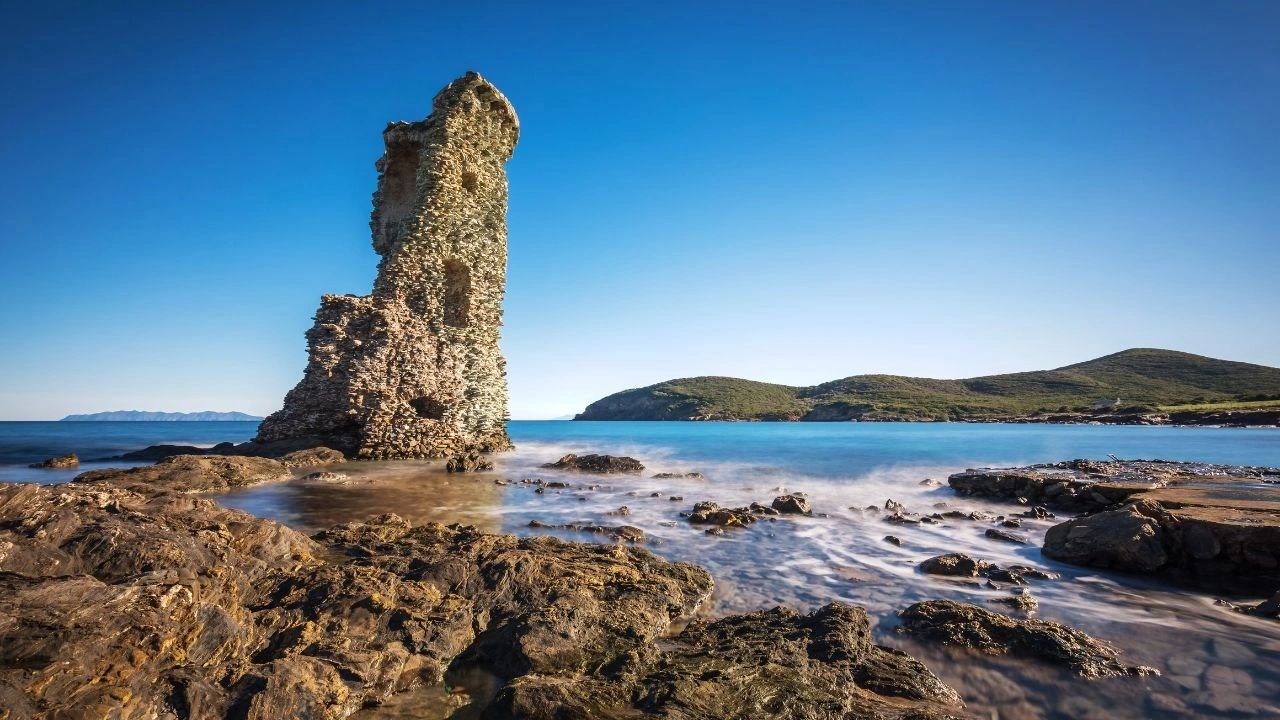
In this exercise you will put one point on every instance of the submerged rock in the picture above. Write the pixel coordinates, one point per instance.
(60, 462)
(627, 533)
(970, 626)
(679, 476)
(1005, 536)
(325, 476)
(1021, 600)
(601, 464)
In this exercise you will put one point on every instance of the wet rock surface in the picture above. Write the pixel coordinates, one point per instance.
(191, 474)
(468, 462)
(1218, 548)
(954, 565)
(774, 663)
(599, 464)
(792, 504)
(965, 625)
(298, 454)
(125, 594)
(626, 533)
(679, 476)
(61, 462)
(1211, 526)
(1091, 485)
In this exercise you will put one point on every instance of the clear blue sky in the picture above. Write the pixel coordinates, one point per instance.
(790, 194)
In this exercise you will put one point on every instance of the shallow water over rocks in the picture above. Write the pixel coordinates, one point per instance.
(1215, 663)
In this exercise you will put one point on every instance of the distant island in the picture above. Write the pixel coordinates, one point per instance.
(1138, 386)
(146, 416)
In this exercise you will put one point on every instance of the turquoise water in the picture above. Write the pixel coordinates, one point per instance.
(839, 554)
(817, 448)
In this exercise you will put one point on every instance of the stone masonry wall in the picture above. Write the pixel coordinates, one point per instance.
(414, 369)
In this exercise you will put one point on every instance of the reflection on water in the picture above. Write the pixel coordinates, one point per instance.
(1214, 661)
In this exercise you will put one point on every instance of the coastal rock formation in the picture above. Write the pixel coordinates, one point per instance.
(600, 464)
(1211, 526)
(1091, 485)
(769, 664)
(413, 370)
(1128, 539)
(137, 602)
(191, 474)
(1227, 548)
(966, 625)
(61, 462)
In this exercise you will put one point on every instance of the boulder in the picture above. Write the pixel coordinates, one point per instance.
(970, 626)
(1005, 536)
(792, 504)
(311, 457)
(954, 565)
(1129, 539)
(710, 513)
(600, 464)
(468, 462)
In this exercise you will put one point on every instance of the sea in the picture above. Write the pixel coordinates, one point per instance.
(1214, 662)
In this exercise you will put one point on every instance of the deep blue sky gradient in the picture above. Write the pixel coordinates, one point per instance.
(791, 193)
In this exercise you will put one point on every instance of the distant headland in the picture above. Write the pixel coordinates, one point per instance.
(1141, 386)
(147, 416)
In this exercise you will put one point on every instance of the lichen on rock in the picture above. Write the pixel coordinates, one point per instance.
(414, 370)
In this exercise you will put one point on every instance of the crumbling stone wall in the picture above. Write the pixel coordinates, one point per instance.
(414, 369)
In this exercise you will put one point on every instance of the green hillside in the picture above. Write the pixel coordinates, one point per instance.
(1140, 379)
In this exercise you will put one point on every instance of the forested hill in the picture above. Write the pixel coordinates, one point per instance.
(1134, 381)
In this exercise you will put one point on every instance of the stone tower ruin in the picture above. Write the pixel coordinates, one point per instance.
(413, 370)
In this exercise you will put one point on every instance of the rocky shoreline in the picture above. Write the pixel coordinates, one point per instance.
(1215, 527)
(127, 593)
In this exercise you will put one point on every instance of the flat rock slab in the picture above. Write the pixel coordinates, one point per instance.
(192, 473)
(1089, 485)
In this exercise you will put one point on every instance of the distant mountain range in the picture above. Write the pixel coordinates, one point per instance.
(1134, 381)
(145, 416)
